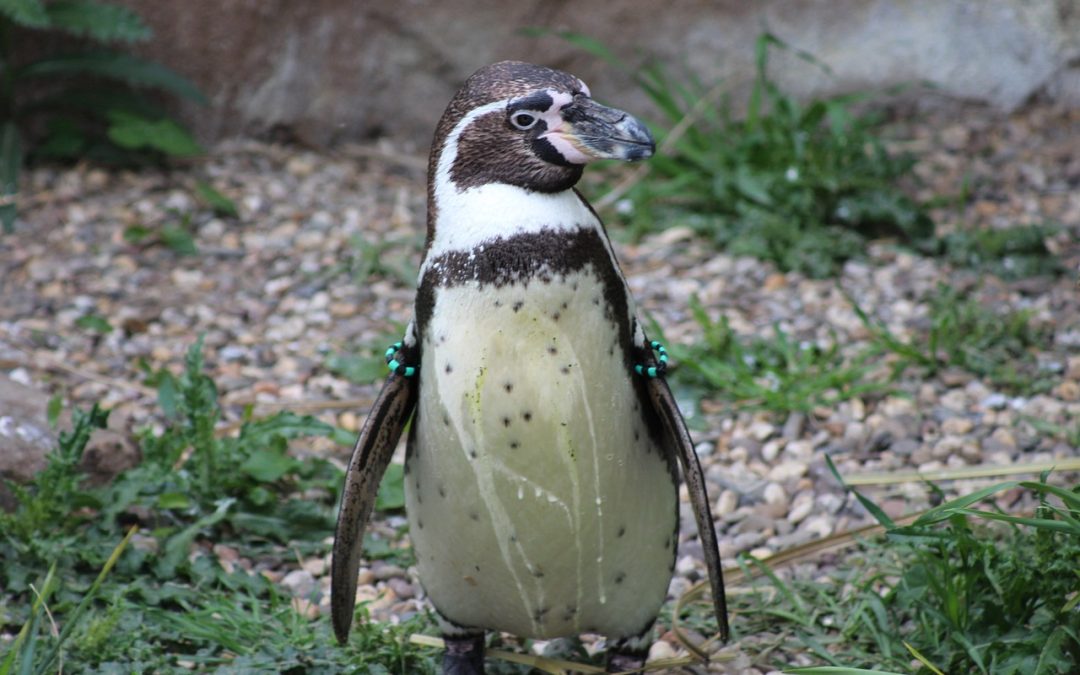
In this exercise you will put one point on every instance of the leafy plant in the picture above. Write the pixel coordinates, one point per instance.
(963, 588)
(963, 333)
(83, 102)
(167, 602)
(1010, 253)
(779, 374)
(801, 185)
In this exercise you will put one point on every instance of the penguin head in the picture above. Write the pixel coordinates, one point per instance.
(529, 126)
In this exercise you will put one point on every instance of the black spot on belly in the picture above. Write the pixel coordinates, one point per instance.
(419, 524)
(565, 370)
(569, 612)
(509, 387)
(514, 445)
(446, 420)
(553, 350)
(517, 305)
(637, 435)
(667, 543)
(539, 614)
(498, 303)
(473, 515)
(449, 368)
(555, 316)
(527, 416)
(442, 491)
(622, 531)
(472, 453)
(565, 305)
(506, 421)
(620, 577)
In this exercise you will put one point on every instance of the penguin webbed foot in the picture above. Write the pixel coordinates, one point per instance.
(463, 655)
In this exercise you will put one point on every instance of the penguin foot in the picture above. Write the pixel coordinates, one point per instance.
(626, 662)
(463, 655)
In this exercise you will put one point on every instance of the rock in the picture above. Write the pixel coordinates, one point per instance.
(299, 583)
(25, 435)
(727, 503)
(787, 470)
(801, 507)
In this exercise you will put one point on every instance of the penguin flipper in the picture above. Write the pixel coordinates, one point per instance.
(370, 457)
(666, 408)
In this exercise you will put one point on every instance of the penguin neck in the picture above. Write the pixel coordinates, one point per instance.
(464, 221)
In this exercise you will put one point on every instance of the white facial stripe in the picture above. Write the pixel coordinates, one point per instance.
(465, 219)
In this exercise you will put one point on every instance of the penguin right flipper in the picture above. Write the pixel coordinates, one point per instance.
(668, 410)
(370, 457)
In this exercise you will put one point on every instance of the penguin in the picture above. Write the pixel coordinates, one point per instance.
(542, 461)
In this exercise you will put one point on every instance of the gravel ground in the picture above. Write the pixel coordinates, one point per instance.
(284, 285)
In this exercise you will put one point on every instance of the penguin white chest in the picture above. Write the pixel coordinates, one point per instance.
(539, 500)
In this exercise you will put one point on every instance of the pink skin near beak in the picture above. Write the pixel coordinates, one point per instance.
(566, 145)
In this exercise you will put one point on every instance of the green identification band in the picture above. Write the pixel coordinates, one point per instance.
(394, 365)
(661, 362)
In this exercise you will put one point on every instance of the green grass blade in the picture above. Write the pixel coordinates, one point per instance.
(835, 670)
(948, 509)
(922, 659)
(84, 604)
(30, 627)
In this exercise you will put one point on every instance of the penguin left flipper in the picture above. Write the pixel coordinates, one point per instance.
(370, 457)
(665, 407)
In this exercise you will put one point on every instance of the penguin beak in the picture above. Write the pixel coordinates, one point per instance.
(592, 131)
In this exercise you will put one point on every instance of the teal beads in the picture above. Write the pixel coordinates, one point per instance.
(661, 362)
(396, 366)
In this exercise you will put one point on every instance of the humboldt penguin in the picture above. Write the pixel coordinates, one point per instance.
(542, 463)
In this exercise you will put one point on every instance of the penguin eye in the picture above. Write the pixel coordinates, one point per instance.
(523, 120)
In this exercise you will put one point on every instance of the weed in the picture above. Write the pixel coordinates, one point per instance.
(166, 603)
(963, 333)
(779, 374)
(952, 590)
(800, 185)
(82, 104)
(1010, 253)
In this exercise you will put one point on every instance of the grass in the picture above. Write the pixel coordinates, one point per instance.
(801, 185)
(163, 600)
(964, 588)
(779, 373)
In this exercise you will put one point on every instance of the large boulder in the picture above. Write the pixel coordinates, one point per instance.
(332, 70)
